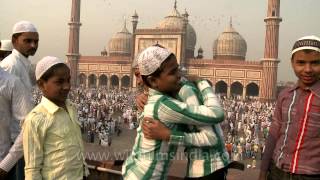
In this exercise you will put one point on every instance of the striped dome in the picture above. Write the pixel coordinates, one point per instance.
(175, 21)
(120, 43)
(230, 45)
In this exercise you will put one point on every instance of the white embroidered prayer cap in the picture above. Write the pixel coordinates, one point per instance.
(45, 64)
(6, 45)
(307, 42)
(151, 58)
(23, 26)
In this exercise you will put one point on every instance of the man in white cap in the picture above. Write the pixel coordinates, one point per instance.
(25, 42)
(5, 48)
(292, 150)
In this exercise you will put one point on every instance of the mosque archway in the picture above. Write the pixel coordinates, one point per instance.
(114, 81)
(125, 81)
(252, 89)
(103, 80)
(92, 81)
(82, 79)
(221, 87)
(236, 89)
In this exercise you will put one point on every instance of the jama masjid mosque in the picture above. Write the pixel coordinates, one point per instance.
(228, 69)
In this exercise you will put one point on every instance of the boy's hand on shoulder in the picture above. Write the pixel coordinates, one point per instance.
(153, 129)
(3, 174)
(141, 101)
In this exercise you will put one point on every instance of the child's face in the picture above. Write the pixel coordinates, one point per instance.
(306, 67)
(168, 81)
(57, 87)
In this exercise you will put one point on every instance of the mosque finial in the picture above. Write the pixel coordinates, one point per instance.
(185, 14)
(175, 4)
(125, 21)
(185, 11)
(135, 13)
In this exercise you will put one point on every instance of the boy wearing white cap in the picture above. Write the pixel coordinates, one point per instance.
(52, 141)
(292, 149)
(150, 159)
(5, 48)
(195, 139)
(25, 42)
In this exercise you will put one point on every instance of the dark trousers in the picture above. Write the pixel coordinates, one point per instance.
(277, 174)
(220, 174)
(11, 174)
(17, 172)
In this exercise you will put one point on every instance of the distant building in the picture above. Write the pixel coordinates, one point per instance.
(228, 70)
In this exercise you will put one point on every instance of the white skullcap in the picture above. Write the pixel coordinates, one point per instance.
(307, 42)
(45, 64)
(23, 26)
(6, 45)
(151, 58)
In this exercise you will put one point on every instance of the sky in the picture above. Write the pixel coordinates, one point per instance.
(101, 19)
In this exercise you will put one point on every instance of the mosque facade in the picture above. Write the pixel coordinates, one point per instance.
(228, 70)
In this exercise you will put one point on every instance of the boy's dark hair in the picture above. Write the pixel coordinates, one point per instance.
(50, 72)
(155, 74)
(307, 51)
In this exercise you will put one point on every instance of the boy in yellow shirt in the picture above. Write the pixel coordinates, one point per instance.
(52, 141)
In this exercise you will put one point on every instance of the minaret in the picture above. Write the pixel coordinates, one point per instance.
(184, 56)
(270, 61)
(73, 51)
(272, 20)
(134, 20)
(200, 53)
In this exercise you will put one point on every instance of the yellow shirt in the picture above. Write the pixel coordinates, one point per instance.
(52, 143)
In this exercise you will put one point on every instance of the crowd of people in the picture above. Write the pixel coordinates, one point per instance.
(246, 126)
(51, 141)
(102, 112)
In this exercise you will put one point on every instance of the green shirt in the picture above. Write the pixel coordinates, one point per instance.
(205, 147)
(150, 159)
